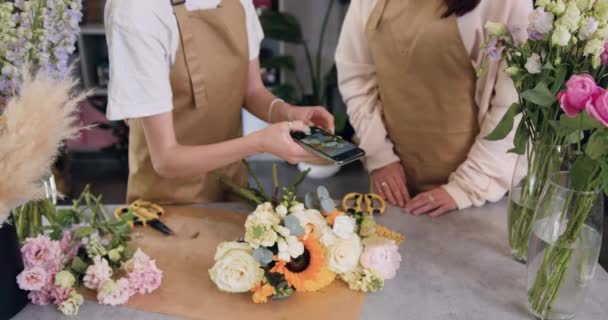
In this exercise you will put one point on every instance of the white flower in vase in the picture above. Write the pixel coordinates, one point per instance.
(533, 64)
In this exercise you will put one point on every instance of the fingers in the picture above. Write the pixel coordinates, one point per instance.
(387, 193)
(396, 190)
(298, 125)
(328, 119)
(403, 185)
(440, 211)
(422, 203)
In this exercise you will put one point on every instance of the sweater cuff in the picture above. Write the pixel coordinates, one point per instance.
(458, 194)
(380, 159)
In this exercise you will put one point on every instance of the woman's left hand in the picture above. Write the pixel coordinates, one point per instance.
(435, 203)
(317, 115)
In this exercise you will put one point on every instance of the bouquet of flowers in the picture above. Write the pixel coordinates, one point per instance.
(563, 38)
(288, 247)
(82, 246)
(38, 33)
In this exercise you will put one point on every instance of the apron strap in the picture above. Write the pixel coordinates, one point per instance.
(377, 13)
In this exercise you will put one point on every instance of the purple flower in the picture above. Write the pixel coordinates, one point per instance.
(494, 49)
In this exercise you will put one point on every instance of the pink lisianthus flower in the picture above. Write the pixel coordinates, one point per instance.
(69, 246)
(42, 252)
(382, 256)
(32, 279)
(581, 90)
(41, 297)
(60, 295)
(143, 274)
(599, 108)
(604, 55)
(97, 273)
(114, 293)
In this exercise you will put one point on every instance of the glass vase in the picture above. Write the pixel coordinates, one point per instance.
(531, 173)
(29, 217)
(564, 248)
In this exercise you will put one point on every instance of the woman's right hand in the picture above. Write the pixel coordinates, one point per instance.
(276, 139)
(390, 182)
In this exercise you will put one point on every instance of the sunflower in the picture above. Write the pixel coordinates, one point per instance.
(261, 292)
(307, 272)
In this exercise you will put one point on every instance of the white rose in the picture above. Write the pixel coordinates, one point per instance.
(533, 64)
(588, 28)
(237, 271)
(314, 218)
(343, 255)
(561, 36)
(344, 226)
(281, 211)
(227, 246)
(571, 18)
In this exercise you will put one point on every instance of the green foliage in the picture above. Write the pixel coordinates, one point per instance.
(581, 173)
(597, 146)
(522, 136)
(540, 95)
(506, 123)
(281, 26)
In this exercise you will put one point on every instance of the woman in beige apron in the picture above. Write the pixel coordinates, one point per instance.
(173, 152)
(407, 71)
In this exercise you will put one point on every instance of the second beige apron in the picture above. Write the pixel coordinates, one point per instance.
(208, 80)
(427, 86)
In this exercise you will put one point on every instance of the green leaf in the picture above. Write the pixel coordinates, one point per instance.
(522, 136)
(78, 265)
(279, 62)
(560, 78)
(540, 95)
(506, 123)
(580, 173)
(597, 146)
(281, 26)
(581, 122)
(83, 232)
(574, 137)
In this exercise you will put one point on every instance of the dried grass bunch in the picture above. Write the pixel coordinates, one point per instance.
(33, 127)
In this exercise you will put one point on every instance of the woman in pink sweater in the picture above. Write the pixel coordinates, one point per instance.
(407, 71)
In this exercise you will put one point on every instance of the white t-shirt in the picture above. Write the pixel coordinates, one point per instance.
(143, 38)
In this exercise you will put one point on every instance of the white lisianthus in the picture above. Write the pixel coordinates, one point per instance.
(344, 226)
(71, 306)
(533, 64)
(602, 33)
(594, 48)
(297, 208)
(542, 3)
(343, 254)
(561, 36)
(314, 218)
(588, 28)
(571, 18)
(541, 21)
(558, 7)
(64, 279)
(512, 71)
(601, 10)
(496, 29)
(236, 271)
(585, 5)
(281, 211)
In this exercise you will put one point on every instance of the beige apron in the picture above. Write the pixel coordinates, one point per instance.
(427, 86)
(208, 79)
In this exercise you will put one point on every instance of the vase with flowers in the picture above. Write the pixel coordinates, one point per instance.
(563, 38)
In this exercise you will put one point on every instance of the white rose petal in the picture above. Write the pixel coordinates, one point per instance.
(226, 247)
(533, 64)
(237, 271)
(343, 256)
(344, 226)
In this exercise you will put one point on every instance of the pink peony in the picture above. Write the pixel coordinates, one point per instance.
(599, 108)
(41, 297)
(604, 55)
(42, 252)
(32, 279)
(382, 256)
(60, 295)
(114, 293)
(581, 90)
(97, 273)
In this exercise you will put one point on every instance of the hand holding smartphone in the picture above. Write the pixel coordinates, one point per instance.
(328, 146)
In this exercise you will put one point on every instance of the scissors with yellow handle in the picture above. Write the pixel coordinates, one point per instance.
(370, 203)
(145, 213)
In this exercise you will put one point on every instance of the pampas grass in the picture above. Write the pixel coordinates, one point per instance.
(34, 126)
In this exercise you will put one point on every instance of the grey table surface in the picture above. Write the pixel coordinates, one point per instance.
(454, 267)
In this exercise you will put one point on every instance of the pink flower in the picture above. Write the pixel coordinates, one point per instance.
(97, 273)
(32, 279)
(143, 274)
(599, 108)
(42, 252)
(604, 55)
(69, 246)
(60, 295)
(382, 256)
(114, 293)
(581, 89)
(41, 297)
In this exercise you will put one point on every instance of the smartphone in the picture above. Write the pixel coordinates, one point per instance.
(328, 146)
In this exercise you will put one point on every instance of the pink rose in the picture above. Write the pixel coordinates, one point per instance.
(382, 256)
(42, 252)
(114, 293)
(604, 55)
(60, 295)
(146, 278)
(41, 297)
(32, 279)
(599, 108)
(581, 89)
(97, 273)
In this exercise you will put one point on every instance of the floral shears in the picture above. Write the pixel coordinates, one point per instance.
(145, 213)
(370, 203)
